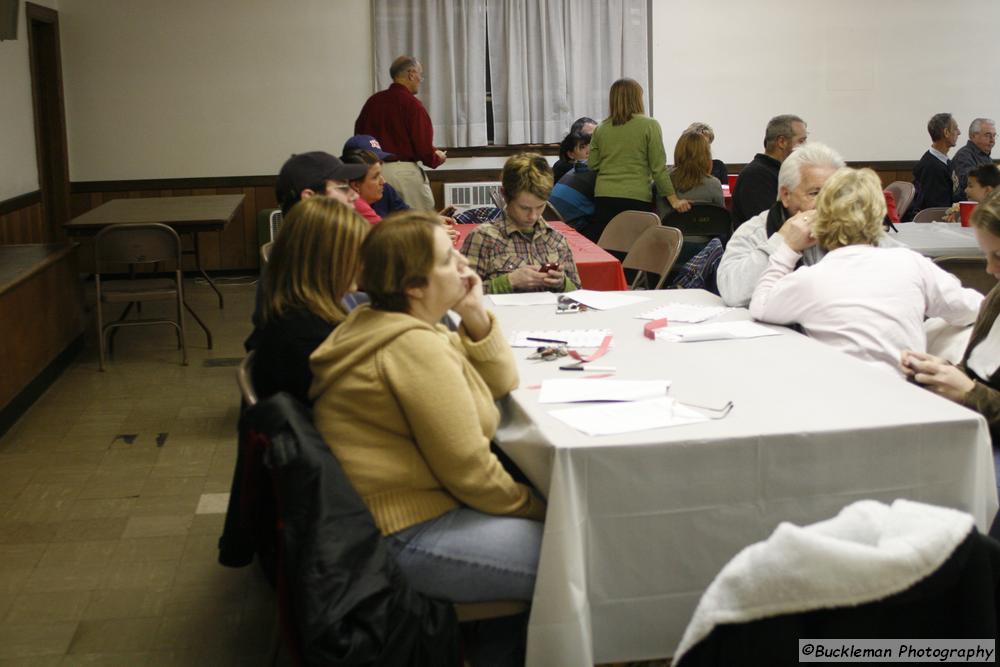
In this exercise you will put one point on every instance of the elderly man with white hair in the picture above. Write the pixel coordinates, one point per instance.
(975, 152)
(802, 175)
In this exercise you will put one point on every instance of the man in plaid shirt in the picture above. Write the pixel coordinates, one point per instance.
(520, 252)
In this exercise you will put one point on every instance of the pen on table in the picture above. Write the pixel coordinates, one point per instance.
(596, 369)
(548, 340)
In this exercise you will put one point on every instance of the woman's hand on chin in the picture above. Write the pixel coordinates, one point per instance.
(471, 306)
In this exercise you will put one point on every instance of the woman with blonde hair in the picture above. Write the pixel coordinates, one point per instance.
(627, 153)
(867, 301)
(409, 409)
(314, 265)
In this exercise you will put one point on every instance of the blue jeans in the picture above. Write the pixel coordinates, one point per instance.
(468, 556)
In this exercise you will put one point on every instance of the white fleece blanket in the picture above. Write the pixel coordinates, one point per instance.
(866, 553)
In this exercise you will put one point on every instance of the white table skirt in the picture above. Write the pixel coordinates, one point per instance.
(639, 524)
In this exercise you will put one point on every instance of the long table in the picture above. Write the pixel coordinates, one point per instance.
(937, 239)
(639, 524)
(599, 270)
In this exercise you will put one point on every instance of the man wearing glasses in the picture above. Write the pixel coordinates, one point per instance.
(316, 173)
(975, 152)
(402, 125)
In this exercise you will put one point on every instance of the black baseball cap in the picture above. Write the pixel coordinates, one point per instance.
(306, 170)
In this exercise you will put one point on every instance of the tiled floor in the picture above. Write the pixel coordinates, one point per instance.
(113, 489)
(111, 504)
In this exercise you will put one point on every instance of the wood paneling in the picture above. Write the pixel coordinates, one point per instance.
(41, 311)
(22, 220)
(236, 248)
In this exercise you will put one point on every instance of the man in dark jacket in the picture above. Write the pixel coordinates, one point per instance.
(934, 176)
(757, 186)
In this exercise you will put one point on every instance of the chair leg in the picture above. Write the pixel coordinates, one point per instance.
(100, 332)
(181, 332)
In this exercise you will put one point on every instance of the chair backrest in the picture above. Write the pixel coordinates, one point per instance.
(145, 243)
(265, 252)
(552, 213)
(655, 251)
(970, 270)
(274, 222)
(932, 214)
(903, 192)
(705, 220)
(244, 379)
(625, 228)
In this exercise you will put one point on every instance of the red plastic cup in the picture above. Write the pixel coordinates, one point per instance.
(965, 209)
(732, 181)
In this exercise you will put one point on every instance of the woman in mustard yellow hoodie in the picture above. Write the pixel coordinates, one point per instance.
(408, 408)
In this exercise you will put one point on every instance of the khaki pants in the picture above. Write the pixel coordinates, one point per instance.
(411, 183)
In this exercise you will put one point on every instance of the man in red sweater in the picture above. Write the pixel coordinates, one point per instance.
(401, 124)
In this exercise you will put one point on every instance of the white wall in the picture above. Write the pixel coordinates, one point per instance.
(18, 166)
(232, 87)
(189, 88)
(865, 75)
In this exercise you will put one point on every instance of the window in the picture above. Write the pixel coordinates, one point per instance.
(545, 63)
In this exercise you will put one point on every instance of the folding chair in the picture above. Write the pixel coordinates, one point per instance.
(133, 245)
(625, 228)
(654, 252)
(971, 271)
(702, 223)
(932, 214)
(903, 193)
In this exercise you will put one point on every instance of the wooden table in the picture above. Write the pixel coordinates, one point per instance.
(187, 215)
(599, 270)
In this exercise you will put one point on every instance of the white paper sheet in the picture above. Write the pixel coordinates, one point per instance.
(683, 312)
(525, 299)
(604, 300)
(714, 331)
(575, 390)
(573, 337)
(616, 418)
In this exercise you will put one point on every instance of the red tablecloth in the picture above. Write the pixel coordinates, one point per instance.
(598, 269)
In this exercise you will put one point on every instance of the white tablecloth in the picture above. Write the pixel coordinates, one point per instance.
(639, 524)
(937, 239)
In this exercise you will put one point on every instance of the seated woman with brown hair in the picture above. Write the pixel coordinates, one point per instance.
(314, 265)
(691, 174)
(867, 301)
(408, 408)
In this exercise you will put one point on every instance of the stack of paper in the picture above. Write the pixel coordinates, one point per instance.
(714, 331)
(683, 312)
(570, 337)
(525, 299)
(575, 391)
(604, 300)
(616, 418)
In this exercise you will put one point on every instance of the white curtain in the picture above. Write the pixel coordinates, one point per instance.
(449, 38)
(552, 61)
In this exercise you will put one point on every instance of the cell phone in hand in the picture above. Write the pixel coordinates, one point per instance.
(448, 211)
(549, 266)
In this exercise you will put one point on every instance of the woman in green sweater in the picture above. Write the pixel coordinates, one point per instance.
(627, 153)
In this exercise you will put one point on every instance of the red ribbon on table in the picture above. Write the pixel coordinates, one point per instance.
(601, 351)
(649, 329)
